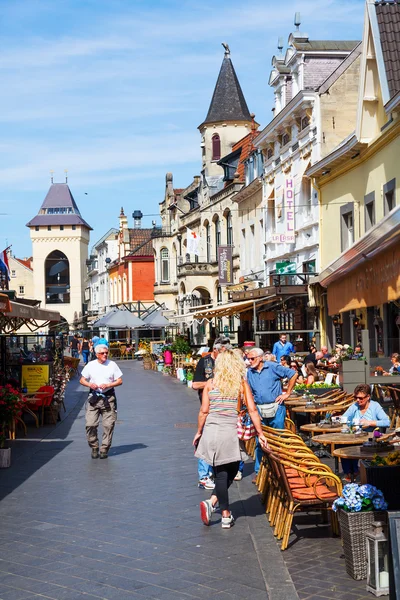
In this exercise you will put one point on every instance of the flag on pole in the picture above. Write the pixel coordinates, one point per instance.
(193, 240)
(4, 268)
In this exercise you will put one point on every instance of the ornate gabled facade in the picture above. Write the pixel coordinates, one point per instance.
(315, 86)
(184, 281)
(60, 239)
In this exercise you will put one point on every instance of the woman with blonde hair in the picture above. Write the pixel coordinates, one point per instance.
(216, 437)
(312, 374)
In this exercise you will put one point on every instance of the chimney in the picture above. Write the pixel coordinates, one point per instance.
(137, 219)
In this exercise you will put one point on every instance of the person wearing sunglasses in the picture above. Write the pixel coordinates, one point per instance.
(369, 415)
(101, 376)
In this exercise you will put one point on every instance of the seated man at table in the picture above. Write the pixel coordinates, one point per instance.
(369, 415)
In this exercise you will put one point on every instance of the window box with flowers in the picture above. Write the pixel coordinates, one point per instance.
(358, 507)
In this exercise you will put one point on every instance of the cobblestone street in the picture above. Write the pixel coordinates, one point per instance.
(73, 528)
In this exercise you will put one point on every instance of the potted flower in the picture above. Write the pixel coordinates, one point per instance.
(357, 508)
(189, 378)
(10, 408)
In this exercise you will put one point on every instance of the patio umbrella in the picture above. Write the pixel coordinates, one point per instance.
(120, 319)
(156, 320)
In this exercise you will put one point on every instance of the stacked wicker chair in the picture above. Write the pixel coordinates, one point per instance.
(292, 478)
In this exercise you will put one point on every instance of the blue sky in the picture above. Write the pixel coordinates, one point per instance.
(113, 91)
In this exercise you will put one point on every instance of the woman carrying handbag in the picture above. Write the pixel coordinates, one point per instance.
(216, 439)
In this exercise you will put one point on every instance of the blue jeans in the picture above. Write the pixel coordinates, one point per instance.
(74, 353)
(85, 356)
(203, 468)
(277, 422)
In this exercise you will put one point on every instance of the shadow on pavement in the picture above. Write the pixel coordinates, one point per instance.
(126, 448)
(22, 470)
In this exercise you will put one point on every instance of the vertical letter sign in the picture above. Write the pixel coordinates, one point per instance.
(287, 237)
(225, 264)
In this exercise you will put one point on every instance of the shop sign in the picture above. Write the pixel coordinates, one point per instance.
(225, 265)
(285, 268)
(34, 377)
(288, 236)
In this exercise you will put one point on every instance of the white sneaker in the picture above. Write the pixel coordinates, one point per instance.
(206, 510)
(227, 522)
(239, 476)
(206, 484)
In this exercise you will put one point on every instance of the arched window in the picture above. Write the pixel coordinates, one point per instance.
(216, 147)
(124, 289)
(56, 269)
(217, 225)
(229, 230)
(164, 263)
(111, 291)
(208, 242)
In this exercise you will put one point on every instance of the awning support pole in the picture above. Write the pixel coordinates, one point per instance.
(256, 337)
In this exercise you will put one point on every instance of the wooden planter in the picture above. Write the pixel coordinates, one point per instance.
(353, 527)
(386, 479)
(5, 458)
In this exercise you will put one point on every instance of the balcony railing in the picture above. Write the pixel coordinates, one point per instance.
(159, 232)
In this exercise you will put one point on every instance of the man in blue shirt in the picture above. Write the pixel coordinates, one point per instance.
(282, 347)
(265, 380)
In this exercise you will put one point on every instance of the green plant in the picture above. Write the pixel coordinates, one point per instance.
(301, 387)
(189, 376)
(167, 369)
(180, 345)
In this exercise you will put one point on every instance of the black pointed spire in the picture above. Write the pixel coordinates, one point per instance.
(228, 102)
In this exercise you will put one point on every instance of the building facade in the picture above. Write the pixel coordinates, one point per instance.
(21, 273)
(97, 293)
(60, 239)
(315, 87)
(359, 201)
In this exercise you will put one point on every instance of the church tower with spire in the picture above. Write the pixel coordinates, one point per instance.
(227, 121)
(60, 239)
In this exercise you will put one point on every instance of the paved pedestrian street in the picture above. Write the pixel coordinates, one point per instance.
(128, 528)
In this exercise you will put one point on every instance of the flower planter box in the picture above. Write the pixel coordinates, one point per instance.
(5, 458)
(353, 527)
(386, 479)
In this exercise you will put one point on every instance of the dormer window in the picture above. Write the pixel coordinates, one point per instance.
(216, 147)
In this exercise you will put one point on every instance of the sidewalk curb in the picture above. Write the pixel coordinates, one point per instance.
(276, 576)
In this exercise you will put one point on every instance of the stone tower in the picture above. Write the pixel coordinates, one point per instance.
(60, 239)
(227, 121)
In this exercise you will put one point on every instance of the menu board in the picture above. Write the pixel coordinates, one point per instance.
(34, 376)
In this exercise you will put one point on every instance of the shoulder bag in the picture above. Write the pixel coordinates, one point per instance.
(245, 426)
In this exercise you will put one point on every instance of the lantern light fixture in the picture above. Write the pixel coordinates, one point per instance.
(378, 560)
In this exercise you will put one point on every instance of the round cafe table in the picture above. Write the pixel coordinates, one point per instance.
(340, 439)
(316, 428)
(355, 452)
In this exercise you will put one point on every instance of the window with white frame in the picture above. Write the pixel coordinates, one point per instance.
(243, 250)
(369, 210)
(13, 273)
(208, 242)
(347, 225)
(306, 192)
(164, 263)
(217, 225)
(22, 289)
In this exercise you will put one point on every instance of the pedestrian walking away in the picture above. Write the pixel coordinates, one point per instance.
(74, 346)
(85, 350)
(205, 371)
(101, 376)
(216, 438)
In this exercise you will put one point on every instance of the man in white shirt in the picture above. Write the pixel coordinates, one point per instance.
(101, 376)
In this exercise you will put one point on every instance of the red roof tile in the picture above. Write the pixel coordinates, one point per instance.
(141, 242)
(246, 144)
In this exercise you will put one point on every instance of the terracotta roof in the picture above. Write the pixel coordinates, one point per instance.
(228, 102)
(141, 242)
(246, 144)
(26, 262)
(388, 17)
